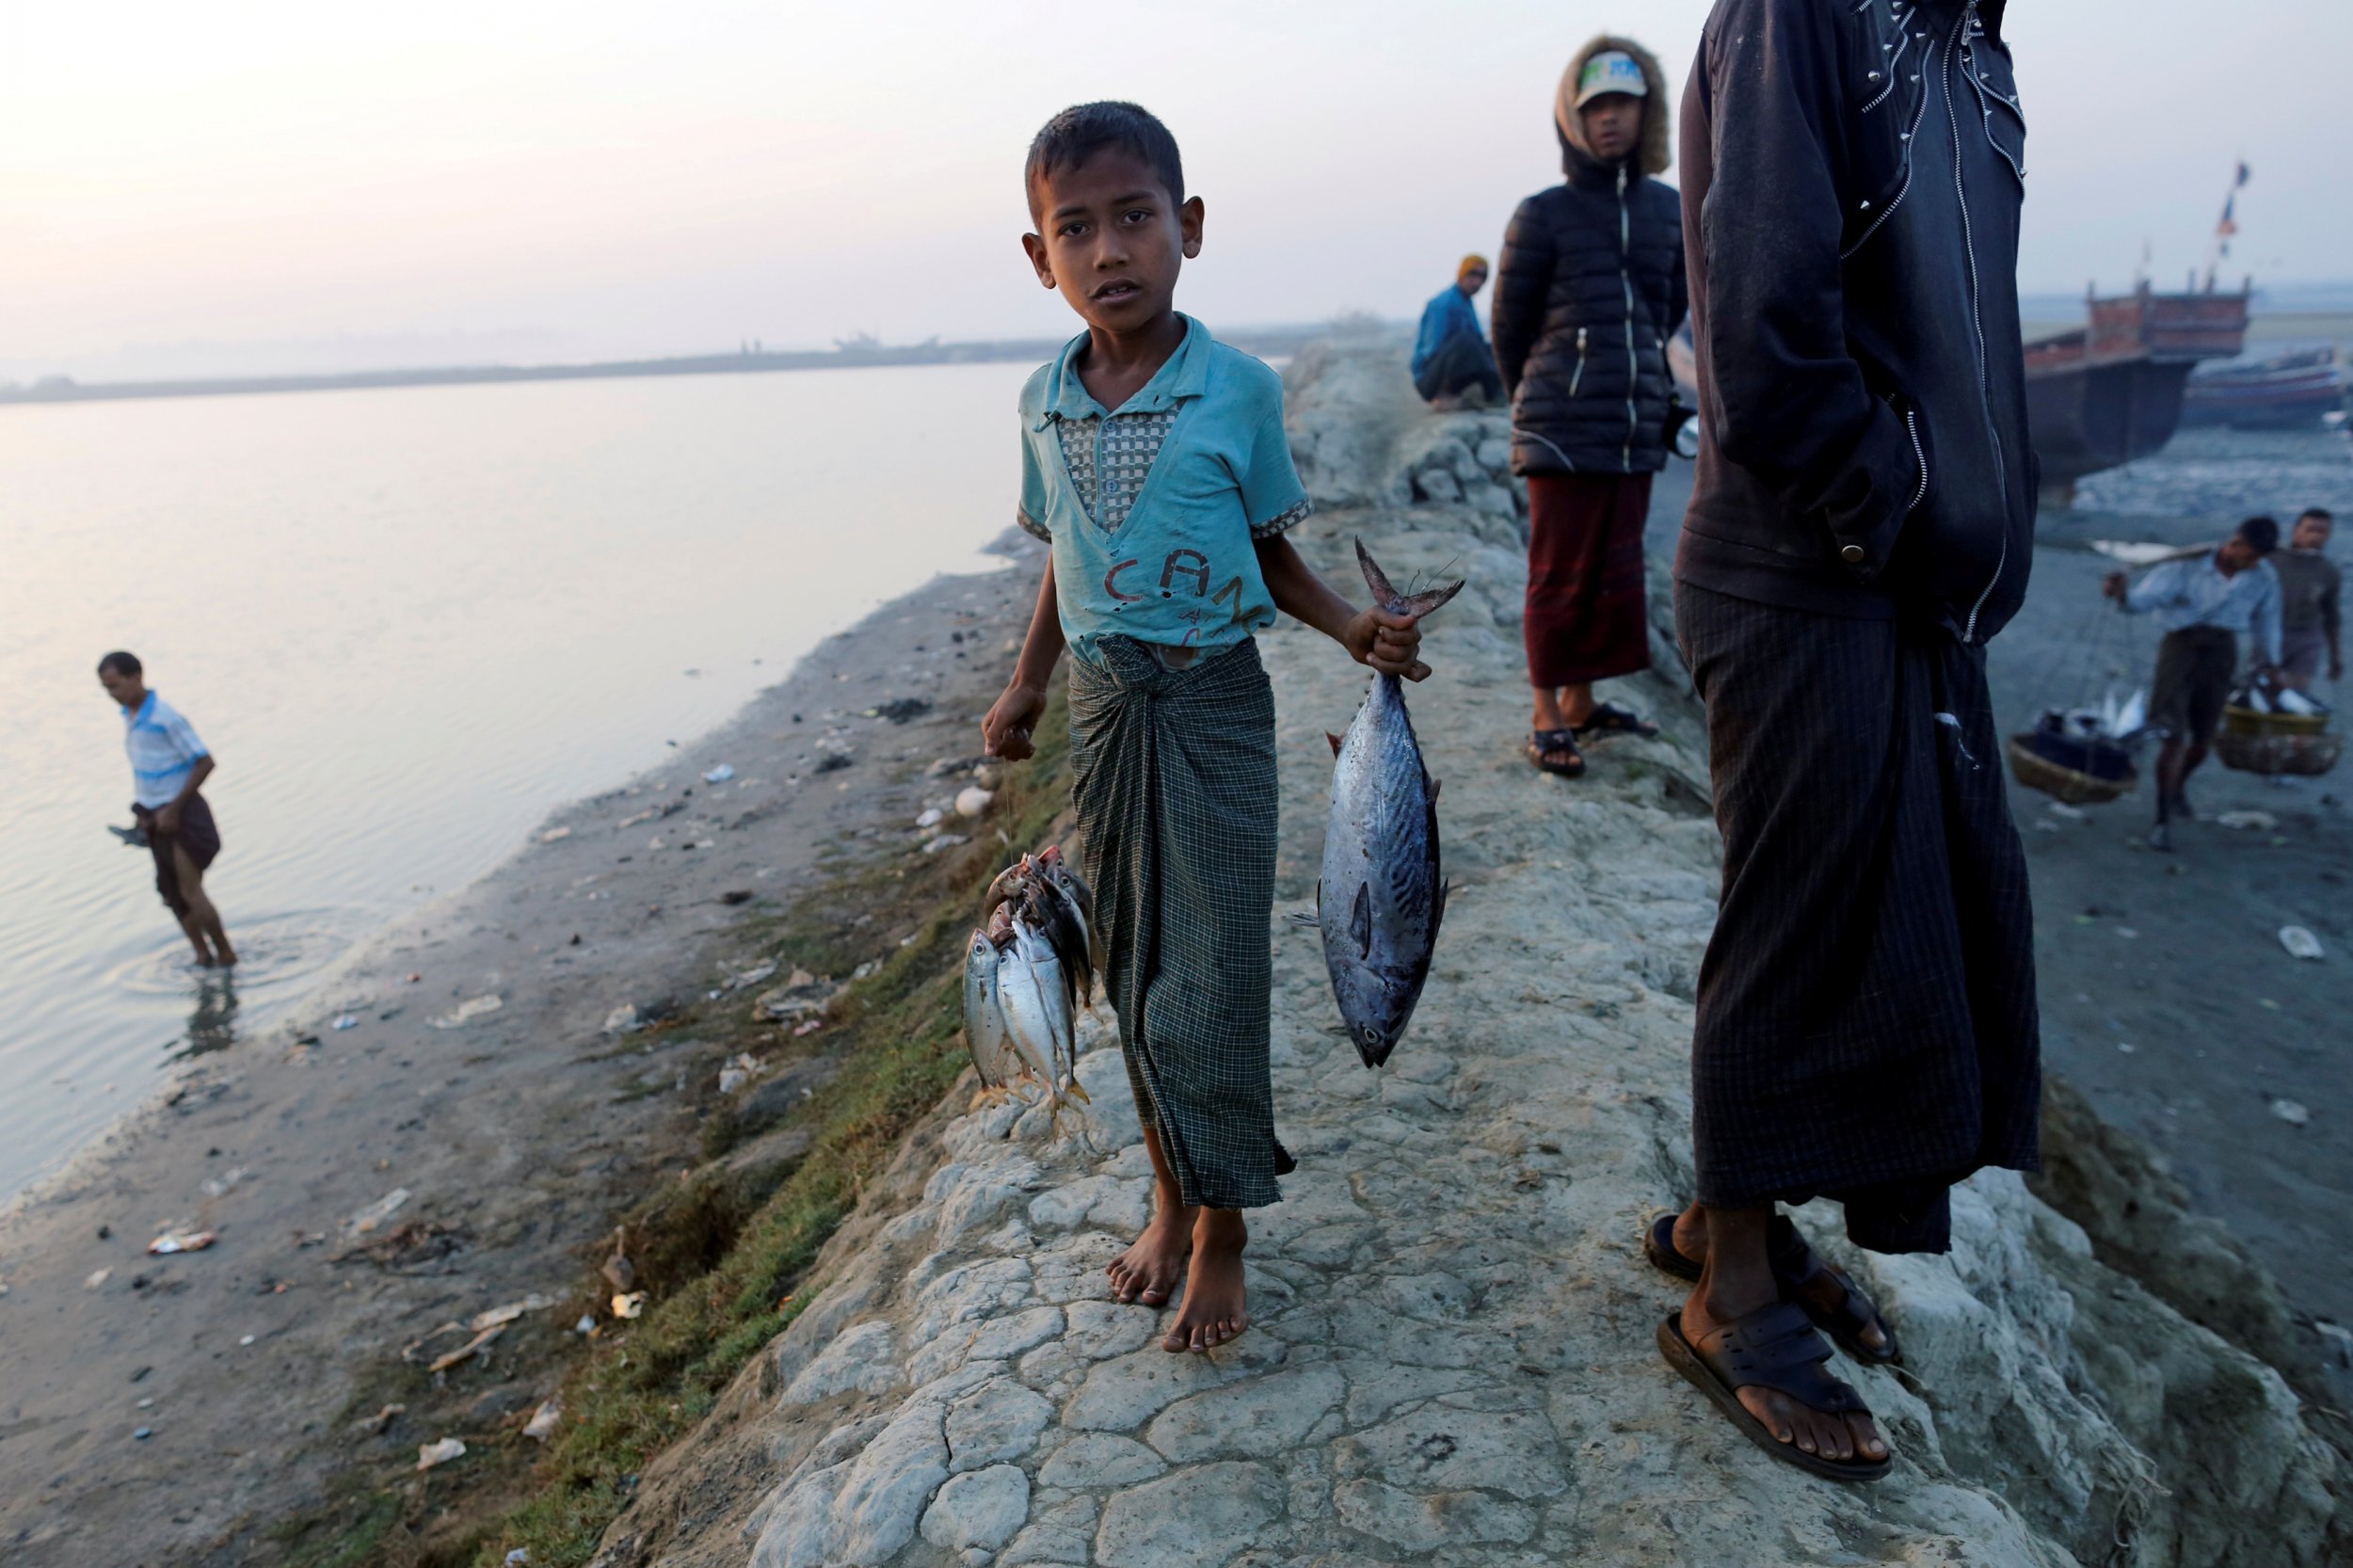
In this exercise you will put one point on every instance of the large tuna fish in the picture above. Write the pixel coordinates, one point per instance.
(1380, 901)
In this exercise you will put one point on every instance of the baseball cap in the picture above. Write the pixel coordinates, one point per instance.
(1611, 71)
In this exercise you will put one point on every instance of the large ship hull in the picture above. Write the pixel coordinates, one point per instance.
(2110, 391)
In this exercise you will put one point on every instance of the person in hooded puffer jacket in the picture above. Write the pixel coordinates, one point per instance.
(1589, 288)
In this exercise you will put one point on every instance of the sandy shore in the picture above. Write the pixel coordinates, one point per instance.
(517, 1130)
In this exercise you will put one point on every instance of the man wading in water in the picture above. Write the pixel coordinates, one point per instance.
(168, 767)
(1863, 521)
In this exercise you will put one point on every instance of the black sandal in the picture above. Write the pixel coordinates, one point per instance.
(1795, 1264)
(1608, 718)
(1544, 743)
(1774, 1347)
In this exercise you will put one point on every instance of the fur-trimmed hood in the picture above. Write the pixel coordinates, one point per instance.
(1651, 155)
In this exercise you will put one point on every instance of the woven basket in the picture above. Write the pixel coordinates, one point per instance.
(2246, 721)
(2065, 784)
(2308, 755)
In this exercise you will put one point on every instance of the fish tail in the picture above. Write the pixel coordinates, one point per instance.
(1384, 593)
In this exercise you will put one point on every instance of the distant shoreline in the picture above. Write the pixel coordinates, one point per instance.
(1264, 342)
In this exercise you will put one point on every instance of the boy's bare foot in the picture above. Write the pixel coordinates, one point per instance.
(1148, 1270)
(1215, 1311)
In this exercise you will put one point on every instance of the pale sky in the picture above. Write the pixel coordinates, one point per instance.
(236, 185)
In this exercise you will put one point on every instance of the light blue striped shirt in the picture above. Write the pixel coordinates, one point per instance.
(163, 748)
(2194, 592)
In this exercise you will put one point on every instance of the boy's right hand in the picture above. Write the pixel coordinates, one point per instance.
(1005, 732)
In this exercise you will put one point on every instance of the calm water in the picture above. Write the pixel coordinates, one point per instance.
(406, 623)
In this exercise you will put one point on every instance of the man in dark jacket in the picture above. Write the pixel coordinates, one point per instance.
(1588, 289)
(1863, 522)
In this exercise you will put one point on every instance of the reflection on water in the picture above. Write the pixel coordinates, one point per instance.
(212, 1026)
(408, 623)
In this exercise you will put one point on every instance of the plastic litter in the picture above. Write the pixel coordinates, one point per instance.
(617, 1270)
(519, 1558)
(2291, 1112)
(632, 1304)
(344, 1022)
(933, 816)
(178, 1240)
(467, 1011)
(2299, 942)
(378, 1212)
(143, 1435)
(945, 840)
(468, 1350)
(97, 1278)
(544, 1420)
(555, 834)
(719, 774)
(430, 1454)
(2263, 822)
(585, 1325)
(973, 801)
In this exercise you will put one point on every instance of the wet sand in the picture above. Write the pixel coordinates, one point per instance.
(517, 1132)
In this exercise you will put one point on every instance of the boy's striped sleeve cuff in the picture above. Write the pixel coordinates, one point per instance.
(1031, 526)
(1283, 521)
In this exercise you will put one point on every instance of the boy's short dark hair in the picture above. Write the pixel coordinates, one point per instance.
(2261, 532)
(1082, 130)
(121, 664)
(2320, 512)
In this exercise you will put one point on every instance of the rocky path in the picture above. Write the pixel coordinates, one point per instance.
(1452, 1358)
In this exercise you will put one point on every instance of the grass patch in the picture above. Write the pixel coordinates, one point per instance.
(723, 1261)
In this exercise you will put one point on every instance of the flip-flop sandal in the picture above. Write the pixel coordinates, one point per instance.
(1794, 1263)
(1543, 742)
(1774, 1347)
(1608, 718)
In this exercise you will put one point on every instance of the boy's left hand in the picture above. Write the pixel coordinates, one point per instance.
(1389, 642)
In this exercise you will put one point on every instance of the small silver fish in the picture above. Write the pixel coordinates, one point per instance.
(985, 1032)
(1381, 899)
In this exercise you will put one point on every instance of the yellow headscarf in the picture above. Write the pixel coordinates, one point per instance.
(1474, 259)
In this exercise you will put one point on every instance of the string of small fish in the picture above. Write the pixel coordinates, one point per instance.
(1031, 961)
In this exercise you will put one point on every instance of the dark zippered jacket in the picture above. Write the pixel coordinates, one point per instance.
(1853, 181)
(1589, 287)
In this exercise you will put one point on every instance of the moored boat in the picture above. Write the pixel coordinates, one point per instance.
(2111, 390)
(2283, 392)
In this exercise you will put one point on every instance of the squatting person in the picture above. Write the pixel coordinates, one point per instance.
(2312, 610)
(2204, 603)
(1588, 289)
(168, 767)
(1863, 521)
(1154, 462)
(1452, 367)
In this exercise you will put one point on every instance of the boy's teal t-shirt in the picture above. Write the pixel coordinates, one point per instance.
(1180, 567)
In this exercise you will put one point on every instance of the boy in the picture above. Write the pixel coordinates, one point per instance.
(2310, 588)
(168, 767)
(1154, 462)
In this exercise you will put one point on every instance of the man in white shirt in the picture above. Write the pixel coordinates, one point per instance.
(2204, 603)
(168, 767)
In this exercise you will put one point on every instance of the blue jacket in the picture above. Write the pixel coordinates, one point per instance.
(1445, 316)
